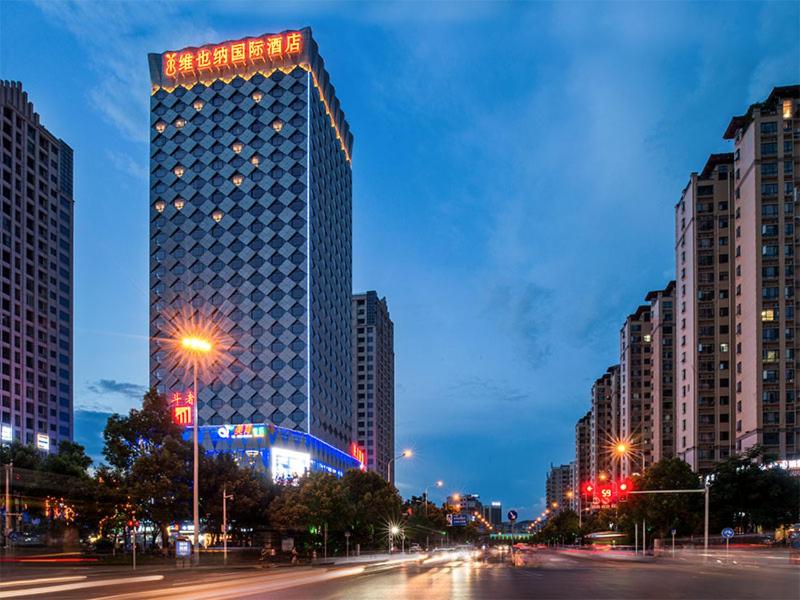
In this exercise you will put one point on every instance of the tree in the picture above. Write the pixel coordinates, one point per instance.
(747, 496)
(374, 506)
(251, 490)
(664, 512)
(562, 528)
(151, 463)
(316, 502)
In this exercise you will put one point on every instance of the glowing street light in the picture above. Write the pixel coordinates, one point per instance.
(406, 454)
(193, 348)
(195, 343)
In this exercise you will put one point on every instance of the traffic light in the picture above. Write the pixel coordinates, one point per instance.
(625, 486)
(588, 489)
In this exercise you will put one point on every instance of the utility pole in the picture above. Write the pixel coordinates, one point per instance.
(9, 466)
(225, 498)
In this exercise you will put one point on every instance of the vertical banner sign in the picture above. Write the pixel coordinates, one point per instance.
(182, 408)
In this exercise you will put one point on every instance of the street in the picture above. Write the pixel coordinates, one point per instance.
(556, 576)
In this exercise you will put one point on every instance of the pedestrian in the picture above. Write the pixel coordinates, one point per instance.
(294, 555)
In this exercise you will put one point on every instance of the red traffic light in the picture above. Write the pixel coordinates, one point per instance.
(588, 488)
(130, 523)
(623, 487)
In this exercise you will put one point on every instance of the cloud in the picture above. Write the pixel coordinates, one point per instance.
(116, 38)
(110, 386)
(127, 164)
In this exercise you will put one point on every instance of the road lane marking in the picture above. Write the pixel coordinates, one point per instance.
(71, 587)
(18, 582)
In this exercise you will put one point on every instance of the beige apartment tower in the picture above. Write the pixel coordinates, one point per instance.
(582, 471)
(635, 400)
(766, 144)
(662, 317)
(604, 424)
(704, 291)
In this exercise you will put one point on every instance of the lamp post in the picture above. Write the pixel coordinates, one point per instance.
(393, 531)
(225, 498)
(194, 347)
(405, 454)
(439, 483)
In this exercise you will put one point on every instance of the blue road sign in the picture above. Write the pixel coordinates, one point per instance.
(727, 533)
(457, 520)
(183, 549)
(512, 515)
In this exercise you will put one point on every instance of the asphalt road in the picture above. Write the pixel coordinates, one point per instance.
(556, 576)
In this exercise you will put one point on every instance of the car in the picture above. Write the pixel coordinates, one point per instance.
(415, 548)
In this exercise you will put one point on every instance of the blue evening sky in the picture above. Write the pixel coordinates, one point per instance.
(515, 170)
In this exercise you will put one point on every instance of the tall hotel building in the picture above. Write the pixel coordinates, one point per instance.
(604, 424)
(250, 226)
(704, 257)
(373, 381)
(765, 241)
(662, 319)
(36, 294)
(635, 400)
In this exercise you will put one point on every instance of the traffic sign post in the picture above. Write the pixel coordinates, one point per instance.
(673, 542)
(727, 533)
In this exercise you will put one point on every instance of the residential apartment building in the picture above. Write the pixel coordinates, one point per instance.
(36, 293)
(704, 317)
(766, 146)
(559, 482)
(635, 400)
(662, 318)
(582, 470)
(373, 381)
(604, 424)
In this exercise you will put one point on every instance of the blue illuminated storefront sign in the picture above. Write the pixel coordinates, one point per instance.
(287, 454)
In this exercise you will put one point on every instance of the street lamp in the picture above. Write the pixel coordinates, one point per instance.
(405, 454)
(194, 348)
(393, 531)
(438, 483)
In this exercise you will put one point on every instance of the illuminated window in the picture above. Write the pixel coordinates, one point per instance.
(277, 125)
(178, 203)
(217, 215)
(237, 179)
(160, 205)
(257, 96)
(161, 126)
(237, 147)
(647, 338)
(179, 171)
(255, 160)
(787, 109)
(768, 314)
(180, 122)
(198, 104)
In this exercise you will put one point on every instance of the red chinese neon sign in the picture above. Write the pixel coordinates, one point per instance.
(359, 454)
(239, 54)
(182, 408)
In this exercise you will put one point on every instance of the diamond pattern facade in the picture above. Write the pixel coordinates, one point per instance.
(250, 222)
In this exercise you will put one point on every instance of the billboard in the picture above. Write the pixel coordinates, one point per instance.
(288, 464)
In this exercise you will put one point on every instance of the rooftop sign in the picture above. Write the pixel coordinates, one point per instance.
(240, 56)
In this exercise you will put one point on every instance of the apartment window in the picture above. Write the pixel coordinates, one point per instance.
(769, 169)
(769, 210)
(769, 189)
(769, 148)
(769, 127)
